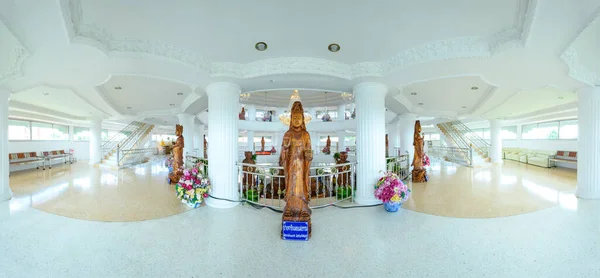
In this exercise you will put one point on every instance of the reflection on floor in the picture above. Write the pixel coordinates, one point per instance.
(141, 193)
(492, 191)
(92, 193)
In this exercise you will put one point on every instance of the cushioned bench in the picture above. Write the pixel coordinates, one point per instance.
(26, 158)
(59, 154)
(565, 156)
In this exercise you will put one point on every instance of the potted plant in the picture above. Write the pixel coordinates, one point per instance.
(192, 188)
(336, 156)
(391, 191)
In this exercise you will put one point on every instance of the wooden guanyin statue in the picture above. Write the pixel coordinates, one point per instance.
(296, 157)
(242, 115)
(177, 155)
(205, 148)
(262, 144)
(248, 179)
(327, 149)
(419, 174)
(386, 146)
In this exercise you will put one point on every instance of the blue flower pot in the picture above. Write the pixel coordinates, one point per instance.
(392, 206)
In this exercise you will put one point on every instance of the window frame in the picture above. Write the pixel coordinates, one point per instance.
(558, 130)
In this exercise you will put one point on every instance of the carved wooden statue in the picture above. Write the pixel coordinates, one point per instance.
(343, 179)
(177, 155)
(296, 156)
(242, 115)
(248, 180)
(419, 174)
(262, 144)
(327, 148)
(387, 154)
(205, 148)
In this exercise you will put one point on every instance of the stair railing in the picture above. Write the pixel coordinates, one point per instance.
(112, 143)
(478, 143)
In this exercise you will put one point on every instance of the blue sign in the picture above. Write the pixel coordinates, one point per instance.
(294, 230)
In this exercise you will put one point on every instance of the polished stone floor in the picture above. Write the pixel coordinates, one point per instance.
(141, 193)
(558, 241)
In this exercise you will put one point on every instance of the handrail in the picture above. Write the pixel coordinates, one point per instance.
(138, 135)
(478, 142)
(457, 155)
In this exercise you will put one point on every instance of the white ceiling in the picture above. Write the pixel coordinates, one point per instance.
(57, 99)
(522, 54)
(310, 98)
(143, 93)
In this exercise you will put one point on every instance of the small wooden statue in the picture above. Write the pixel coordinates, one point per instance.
(296, 157)
(419, 174)
(248, 180)
(177, 156)
(242, 115)
(343, 179)
(262, 144)
(327, 149)
(205, 148)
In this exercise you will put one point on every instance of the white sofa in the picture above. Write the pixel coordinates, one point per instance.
(542, 158)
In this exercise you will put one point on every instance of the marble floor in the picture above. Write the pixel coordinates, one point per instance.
(142, 193)
(40, 237)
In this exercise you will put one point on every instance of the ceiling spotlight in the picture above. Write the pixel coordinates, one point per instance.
(271, 81)
(180, 94)
(260, 46)
(413, 94)
(46, 94)
(118, 88)
(420, 103)
(560, 97)
(474, 88)
(334, 47)
(172, 104)
(128, 107)
(464, 107)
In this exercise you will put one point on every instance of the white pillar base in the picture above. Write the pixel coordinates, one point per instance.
(588, 145)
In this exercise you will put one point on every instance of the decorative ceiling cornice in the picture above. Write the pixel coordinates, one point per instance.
(456, 48)
(570, 56)
(18, 54)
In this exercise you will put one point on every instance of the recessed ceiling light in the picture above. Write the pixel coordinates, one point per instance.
(271, 81)
(334, 47)
(420, 103)
(474, 88)
(413, 93)
(560, 97)
(172, 104)
(46, 94)
(118, 88)
(180, 94)
(464, 107)
(128, 107)
(260, 46)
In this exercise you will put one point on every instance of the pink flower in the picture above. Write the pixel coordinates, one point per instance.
(205, 195)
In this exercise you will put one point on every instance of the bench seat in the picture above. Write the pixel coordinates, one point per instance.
(26, 158)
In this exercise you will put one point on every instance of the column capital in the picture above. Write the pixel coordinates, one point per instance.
(370, 88)
(220, 87)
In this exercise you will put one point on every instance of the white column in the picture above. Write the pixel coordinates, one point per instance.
(223, 98)
(251, 108)
(370, 138)
(495, 141)
(313, 112)
(406, 127)
(341, 142)
(95, 141)
(393, 138)
(5, 192)
(196, 137)
(342, 112)
(187, 121)
(588, 145)
(250, 136)
(200, 145)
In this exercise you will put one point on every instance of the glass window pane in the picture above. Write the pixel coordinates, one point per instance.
(81, 133)
(547, 130)
(568, 130)
(508, 132)
(528, 131)
(435, 136)
(18, 130)
(485, 133)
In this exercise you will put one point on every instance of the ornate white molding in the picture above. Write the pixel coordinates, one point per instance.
(18, 54)
(457, 48)
(577, 70)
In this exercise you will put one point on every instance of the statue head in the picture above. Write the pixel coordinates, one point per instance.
(297, 117)
(178, 130)
(343, 156)
(248, 155)
(417, 127)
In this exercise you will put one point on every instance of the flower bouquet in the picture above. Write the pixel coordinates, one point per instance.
(426, 161)
(169, 163)
(391, 191)
(192, 188)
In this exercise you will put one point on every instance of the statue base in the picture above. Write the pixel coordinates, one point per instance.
(296, 210)
(419, 175)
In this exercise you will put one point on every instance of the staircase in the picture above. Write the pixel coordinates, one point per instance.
(462, 145)
(128, 147)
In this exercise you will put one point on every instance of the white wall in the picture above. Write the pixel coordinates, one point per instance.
(81, 150)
